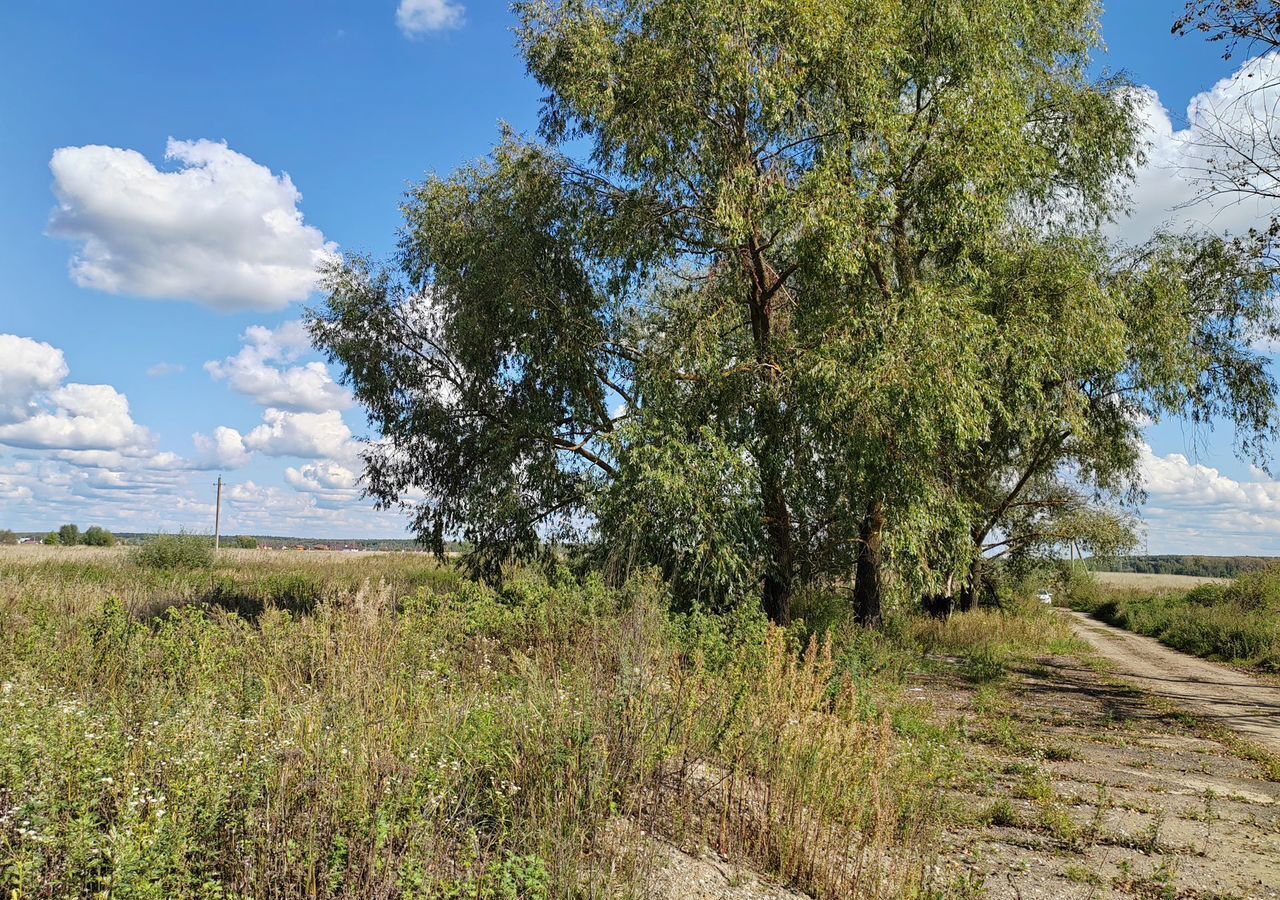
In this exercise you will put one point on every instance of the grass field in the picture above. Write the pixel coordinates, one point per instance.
(1145, 581)
(366, 725)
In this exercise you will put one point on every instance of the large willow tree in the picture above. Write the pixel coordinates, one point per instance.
(734, 312)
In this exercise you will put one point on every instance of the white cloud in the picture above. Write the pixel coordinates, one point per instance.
(13, 488)
(1194, 508)
(300, 388)
(221, 230)
(27, 369)
(1169, 187)
(83, 417)
(324, 477)
(309, 435)
(419, 17)
(224, 450)
(132, 458)
(161, 369)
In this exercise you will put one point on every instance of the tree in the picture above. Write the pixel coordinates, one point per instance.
(7, 537)
(50, 539)
(96, 536)
(1235, 139)
(1093, 343)
(69, 535)
(732, 336)
(1253, 23)
(244, 542)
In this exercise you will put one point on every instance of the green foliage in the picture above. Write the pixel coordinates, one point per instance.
(97, 536)
(50, 539)
(245, 542)
(7, 537)
(785, 291)
(175, 551)
(69, 535)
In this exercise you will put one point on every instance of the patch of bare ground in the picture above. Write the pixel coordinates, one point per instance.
(668, 872)
(1082, 787)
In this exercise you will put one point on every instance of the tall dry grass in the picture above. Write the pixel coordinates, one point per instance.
(375, 726)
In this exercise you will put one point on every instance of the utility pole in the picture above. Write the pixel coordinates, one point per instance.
(217, 518)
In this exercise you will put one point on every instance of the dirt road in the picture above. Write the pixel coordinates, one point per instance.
(1215, 693)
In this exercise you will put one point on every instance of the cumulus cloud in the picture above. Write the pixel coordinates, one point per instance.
(81, 417)
(308, 435)
(137, 458)
(324, 477)
(28, 369)
(1170, 188)
(1195, 508)
(223, 450)
(220, 229)
(419, 17)
(257, 371)
(13, 487)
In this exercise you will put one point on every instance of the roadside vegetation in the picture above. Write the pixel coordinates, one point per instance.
(1236, 622)
(280, 725)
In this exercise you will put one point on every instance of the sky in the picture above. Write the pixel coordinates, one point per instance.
(171, 175)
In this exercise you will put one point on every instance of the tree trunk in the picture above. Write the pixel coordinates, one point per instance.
(972, 586)
(771, 426)
(943, 605)
(779, 577)
(869, 571)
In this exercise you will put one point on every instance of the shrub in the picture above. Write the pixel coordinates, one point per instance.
(175, 551)
(50, 539)
(8, 537)
(245, 542)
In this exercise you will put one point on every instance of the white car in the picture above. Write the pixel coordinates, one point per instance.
(1045, 597)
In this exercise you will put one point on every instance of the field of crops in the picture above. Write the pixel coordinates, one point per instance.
(1145, 581)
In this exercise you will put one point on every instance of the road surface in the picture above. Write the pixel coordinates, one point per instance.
(1216, 693)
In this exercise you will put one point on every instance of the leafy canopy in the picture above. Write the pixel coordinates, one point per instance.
(782, 290)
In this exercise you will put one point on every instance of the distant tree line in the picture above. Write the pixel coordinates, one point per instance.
(1173, 564)
(70, 535)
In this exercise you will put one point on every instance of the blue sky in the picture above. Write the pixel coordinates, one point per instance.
(354, 101)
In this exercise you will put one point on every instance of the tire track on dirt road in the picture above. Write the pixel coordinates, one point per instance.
(1221, 695)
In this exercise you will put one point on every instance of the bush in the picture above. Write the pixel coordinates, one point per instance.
(7, 537)
(175, 551)
(50, 539)
(98, 537)
(244, 542)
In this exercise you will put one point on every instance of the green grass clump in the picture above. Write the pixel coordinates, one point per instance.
(175, 551)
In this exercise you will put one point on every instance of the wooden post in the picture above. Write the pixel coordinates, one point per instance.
(217, 518)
